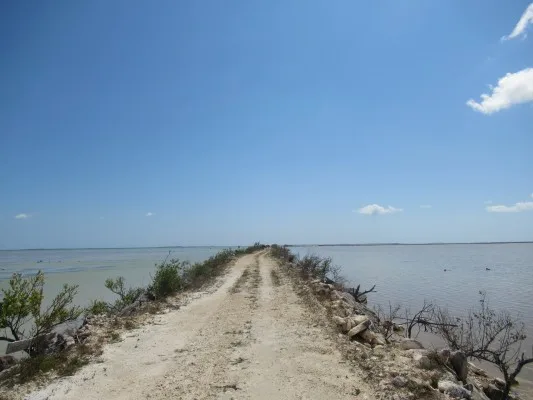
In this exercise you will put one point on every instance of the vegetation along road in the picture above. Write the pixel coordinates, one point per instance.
(251, 338)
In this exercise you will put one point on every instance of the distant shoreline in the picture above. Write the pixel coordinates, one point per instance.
(404, 244)
(289, 245)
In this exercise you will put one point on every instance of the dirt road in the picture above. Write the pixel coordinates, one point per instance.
(252, 338)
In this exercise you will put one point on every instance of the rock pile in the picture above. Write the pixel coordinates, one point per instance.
(6, 361)
(55, 342)
(353, 318)
(403, 365)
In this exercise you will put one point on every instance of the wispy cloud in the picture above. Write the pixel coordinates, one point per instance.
(149, 214)
(488, 202)
(426, 206)
(517, 207)
(513, 88)
(22, 216)
(376, 209)
(521, 25)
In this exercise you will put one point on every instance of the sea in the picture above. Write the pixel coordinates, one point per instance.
(450, 275)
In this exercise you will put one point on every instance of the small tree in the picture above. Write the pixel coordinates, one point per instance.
(126, 295)
(167, 279)
(98, 307)
(487, 335)
(22, 307)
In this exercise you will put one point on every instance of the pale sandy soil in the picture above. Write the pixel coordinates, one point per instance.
(252, 338)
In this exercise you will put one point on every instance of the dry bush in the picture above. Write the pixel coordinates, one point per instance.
(423, 318)
(487, 335)
(276, 281)
(386, 318)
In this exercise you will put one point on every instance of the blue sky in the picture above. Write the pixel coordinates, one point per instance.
(194, 123)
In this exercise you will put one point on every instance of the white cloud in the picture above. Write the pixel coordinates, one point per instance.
(376, 209)
(149, 214)
(22, 216)
(517, 207)
(521, 25)
(513, 88)
(426, 206)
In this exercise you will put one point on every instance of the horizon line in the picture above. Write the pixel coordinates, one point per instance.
(289, 245)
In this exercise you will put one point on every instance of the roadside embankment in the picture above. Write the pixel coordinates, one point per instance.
(380, 346)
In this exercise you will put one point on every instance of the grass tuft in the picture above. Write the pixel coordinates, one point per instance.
(276, 281)
(239, 283)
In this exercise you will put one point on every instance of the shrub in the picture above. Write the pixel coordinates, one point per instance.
(22, 306)
(167, 279)
(282, 253)
(197, 274)
(310, 266)
(313, 266)
(257, 246)
(97, 307)
(487, 335)
(127, 296)
(29, 368)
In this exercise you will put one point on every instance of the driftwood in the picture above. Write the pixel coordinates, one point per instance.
(29, 344)
(18, 345)
(359, 296)
(424, 317)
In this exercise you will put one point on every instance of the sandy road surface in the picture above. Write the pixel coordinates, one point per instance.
(252, 338)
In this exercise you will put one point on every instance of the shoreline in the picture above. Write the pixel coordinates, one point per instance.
(363, 325)
(388, 367)
(289, 245)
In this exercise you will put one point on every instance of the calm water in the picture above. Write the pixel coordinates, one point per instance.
(410, 274)
(89, 268)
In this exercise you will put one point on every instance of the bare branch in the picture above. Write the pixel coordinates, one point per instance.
(487, 335)
(358, 295)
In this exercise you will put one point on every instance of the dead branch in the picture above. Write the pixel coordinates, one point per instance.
(487, 335)
(358, 295)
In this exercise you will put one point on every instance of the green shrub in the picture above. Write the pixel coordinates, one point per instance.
(167, 279)
(282, 253)
(197, 274)
(170, 277)
(127, 296)
(21, 306)
(97, 307)
(313, 266)
(63, 363)
(310, 266)
(257, 246)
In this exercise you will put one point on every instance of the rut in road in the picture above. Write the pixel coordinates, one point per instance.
(252, 338)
